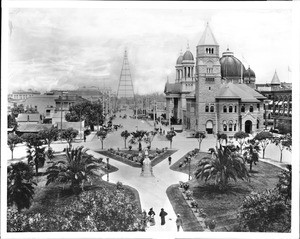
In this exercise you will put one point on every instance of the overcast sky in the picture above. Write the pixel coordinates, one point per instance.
(66, 48)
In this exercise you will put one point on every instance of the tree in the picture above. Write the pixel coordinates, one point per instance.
(264, 139)
(283, 142)
(137, 137)
(149, 137)
(11, 121)
(224, 164)
(49, 135)
(269, 211)
(97, 210)
(265, 212)
(102, 133)
(69, 135)
(20, 189)
(169, 136)
(17, 109)
(35, 151)
(90, 112)
(78, 168)
(240, 137)
(221, 138)
(125, 134)
(200, 135)
(251, 153)
(12, 141)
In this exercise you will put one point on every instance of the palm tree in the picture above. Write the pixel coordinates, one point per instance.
(102, 136)
(200, 135)
(78, 168)
(20, 189)
(224, 164)
(169, 136)
(125, 134)
(251, 153)
(12, 141)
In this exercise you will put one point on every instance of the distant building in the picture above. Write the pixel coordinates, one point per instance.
(23, 95)
(41, 103)
(31, 128)
(26, 118)
(278, 106)
(216, 95)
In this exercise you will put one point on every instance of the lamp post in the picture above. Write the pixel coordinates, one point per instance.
(189, 162)
(107, 166)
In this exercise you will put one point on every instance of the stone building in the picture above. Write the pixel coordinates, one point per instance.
(216, 94)
(278, 106)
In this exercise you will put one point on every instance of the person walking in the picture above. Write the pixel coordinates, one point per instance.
(170, 160)
(151, 214)
(178, 222)
(162, 215)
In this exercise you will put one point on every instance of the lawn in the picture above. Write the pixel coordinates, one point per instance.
(154, 162)
(59, 195)
(222, 206)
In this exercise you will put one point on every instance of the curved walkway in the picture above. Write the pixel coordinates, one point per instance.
(152, 190)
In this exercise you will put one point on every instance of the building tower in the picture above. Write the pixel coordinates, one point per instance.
(125, 88)
(208, 74)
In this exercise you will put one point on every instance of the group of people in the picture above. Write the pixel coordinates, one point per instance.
(163, 215)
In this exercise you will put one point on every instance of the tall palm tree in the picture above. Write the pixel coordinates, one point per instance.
(20, 187)
(224, 164)
(251, 153)
(78, 168)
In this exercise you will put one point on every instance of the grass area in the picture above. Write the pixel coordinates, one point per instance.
(223, 206)
(180, 206)
(59, 194)
(154, 162)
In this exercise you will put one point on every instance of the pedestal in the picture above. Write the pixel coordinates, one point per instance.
(147, 168)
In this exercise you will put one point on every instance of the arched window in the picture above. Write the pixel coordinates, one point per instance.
(230, 109)
(251, 108)
(230, 126)
(224, 126)
(225, 109)
(243, 108)
(234, 127)
(235, 108)
(212, 108)
(206, 108)
(257, 125)
(212, 51)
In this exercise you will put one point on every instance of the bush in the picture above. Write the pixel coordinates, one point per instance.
(266, 212)
(100, 210)
(189, 194)
(186, 186)
(130, 147)
(119, 185)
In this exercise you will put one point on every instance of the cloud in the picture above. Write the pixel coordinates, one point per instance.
(61, 48)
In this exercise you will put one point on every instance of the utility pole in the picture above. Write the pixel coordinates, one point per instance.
(154, 114)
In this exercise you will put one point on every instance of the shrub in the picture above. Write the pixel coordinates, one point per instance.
(99, 210)
(130, 147)
(189, 194)
(119, 185)
(186, 186)
(194, 204)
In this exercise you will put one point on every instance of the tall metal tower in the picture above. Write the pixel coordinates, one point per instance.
(125, 88)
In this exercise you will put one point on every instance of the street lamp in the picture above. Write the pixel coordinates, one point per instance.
(107, 166)
(189, 158)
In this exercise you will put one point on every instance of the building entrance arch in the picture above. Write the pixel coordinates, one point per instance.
(209, 127)
(248, 126)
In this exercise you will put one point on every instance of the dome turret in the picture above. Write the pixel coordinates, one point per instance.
(249, 73)
(179, 60)
(231, 67)
(188, 56)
